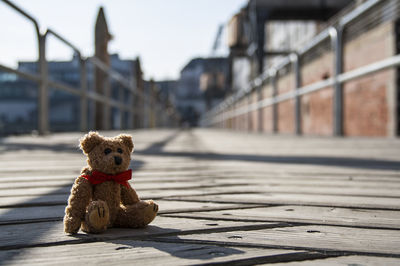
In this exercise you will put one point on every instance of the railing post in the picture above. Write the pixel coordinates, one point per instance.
(295, 58)
(260, 116)
(43, 96)
(336, 38)
(121, 109)
(146, 111)
(152, 108)
(233, 118)
(107, 107)
(249, 114)
(84, 102)
(131, 112)
(274, 80)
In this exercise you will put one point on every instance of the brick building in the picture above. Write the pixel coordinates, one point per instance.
(370, 104)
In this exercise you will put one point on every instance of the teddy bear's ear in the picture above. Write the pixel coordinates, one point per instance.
(89, 141)
(127, 141)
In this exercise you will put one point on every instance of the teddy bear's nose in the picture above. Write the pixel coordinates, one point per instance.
(117, 160)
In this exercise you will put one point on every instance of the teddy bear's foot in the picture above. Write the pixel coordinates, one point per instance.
(97, 217)
(149, 212)
(71, 224)
(136, 215)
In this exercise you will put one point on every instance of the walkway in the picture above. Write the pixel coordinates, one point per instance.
(224, 197)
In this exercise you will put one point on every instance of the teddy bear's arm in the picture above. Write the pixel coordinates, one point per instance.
(128, 195)
(81, 193)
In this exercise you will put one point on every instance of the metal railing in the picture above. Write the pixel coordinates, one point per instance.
(44, 82)
(222, 113)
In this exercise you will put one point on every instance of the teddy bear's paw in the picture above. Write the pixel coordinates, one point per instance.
(149, 211)
(97, 217)
(71, 224)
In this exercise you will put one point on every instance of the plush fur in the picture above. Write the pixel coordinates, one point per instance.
(94, 208)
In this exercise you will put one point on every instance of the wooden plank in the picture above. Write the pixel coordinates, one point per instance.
(136, 179)
(306, 215)
(161, 194)
(138, 186)
(9, 189)
(37, 178)
(35, 166)
(212, 165)
(52, 233)
(323, 178)
(344, 260)
(267, 176)
(385, 203)
(38, 192)
(299, 188)
(55, 196)
(267, 179)
(37, 213)
(46, 172)
(343, 240)
(36, 184)
(271, 170)
(308, 182)
(29, 214)
(127, 252)
(34, 200)
(64, 162)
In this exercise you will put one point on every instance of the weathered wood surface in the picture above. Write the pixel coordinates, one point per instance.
(229, 198)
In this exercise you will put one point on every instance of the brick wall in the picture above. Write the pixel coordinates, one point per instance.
(368, 110)
(368, 103)
(267, 111)
(366, 106)
(286, 109)
(254, 114)
(316, 110)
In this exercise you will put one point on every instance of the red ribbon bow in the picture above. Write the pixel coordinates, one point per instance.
(98, 177)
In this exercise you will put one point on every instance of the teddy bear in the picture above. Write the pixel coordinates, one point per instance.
(101, 196)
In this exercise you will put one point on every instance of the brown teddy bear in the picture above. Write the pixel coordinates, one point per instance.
(102, 197)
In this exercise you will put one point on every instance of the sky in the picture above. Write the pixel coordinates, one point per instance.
(165, 34)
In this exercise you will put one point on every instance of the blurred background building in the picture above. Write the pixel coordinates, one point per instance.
(264, 33)
(202, 84)
(19, 96)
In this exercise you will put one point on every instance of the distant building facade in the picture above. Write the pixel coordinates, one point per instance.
(202, 84)
(18, 97)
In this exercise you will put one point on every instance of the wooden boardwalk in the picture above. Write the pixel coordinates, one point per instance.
(225, 198)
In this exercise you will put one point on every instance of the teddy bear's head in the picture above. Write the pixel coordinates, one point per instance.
(107, 155)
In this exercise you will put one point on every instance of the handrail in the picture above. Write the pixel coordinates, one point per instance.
(384, 64)
(43, 80)
(322, 36)
(62, 39)
(22, 12)
(105, 68)
(25, 75)
(335, 34)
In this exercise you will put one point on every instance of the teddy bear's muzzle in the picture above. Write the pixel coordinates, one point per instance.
(117, 160)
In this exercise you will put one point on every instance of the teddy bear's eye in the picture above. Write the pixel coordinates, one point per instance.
(119, 150)
(107, 151)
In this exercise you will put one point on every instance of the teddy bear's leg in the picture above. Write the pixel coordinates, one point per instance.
(136, 215)
(97, 217)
